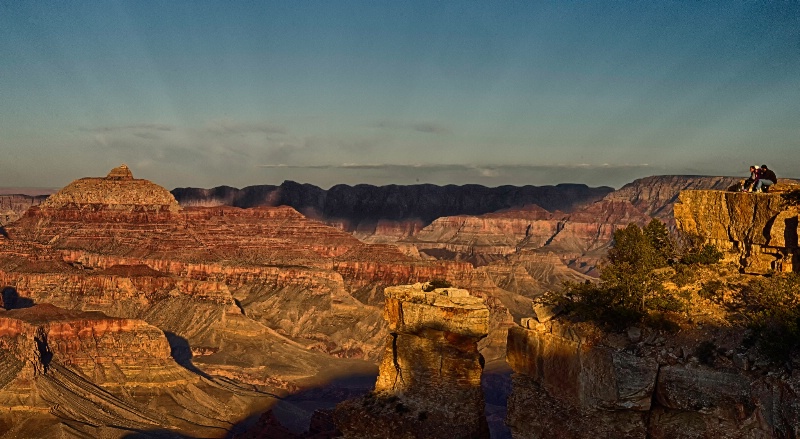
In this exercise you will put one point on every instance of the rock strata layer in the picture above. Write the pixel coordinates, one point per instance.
(429, 379)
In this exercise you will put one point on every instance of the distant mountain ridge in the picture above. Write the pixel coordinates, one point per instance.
(368, 203)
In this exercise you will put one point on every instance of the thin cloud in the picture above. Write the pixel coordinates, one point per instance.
(484, 170)
(450, 173)
(147, 135)
(233, 127)
(131, 127)
(420, 127)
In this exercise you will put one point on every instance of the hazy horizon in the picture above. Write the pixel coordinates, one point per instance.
(241, 93)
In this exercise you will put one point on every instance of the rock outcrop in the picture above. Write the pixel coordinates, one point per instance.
(429, 382)
(759, 231)
(654, 196)
(574, 381)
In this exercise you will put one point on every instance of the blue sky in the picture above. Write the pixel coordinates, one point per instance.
(254, 92)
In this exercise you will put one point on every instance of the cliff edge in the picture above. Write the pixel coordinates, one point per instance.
(758, 230)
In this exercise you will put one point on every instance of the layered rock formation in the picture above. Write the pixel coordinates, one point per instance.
(759, 231)
(484, 238)
(574, 381)
(430, 374)
(261, 297)
(85, 374)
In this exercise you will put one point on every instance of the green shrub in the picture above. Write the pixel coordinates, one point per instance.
(772, 309)
(708, 254)
(660, 320)
(630, 289)
(684, 275)
(711, 290)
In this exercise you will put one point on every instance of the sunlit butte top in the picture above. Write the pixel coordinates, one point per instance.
(117, 191)
(121, 172)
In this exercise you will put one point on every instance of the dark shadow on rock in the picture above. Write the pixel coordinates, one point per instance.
(496, 386)
(294, 413)
(790, 232)
(12, 300)
(767, 228)
(182, 353)
(157, 434)
(3, 232)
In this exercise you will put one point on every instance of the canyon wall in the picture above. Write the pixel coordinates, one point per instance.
(12, 207)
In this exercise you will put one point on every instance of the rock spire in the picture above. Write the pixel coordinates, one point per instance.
(429, 382)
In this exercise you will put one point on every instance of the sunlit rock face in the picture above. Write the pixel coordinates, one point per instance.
(308, 281)
(90, 343)
(574, 381)
(757, 230)
(429, 381)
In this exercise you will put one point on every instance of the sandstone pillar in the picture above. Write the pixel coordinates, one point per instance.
(429, 379)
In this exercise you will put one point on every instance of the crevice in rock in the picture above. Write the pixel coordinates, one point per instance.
(239, 305)
(653, 404)
(44, 354)
(397, 367)
(559, 227)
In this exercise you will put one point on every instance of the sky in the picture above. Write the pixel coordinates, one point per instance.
(206, 93)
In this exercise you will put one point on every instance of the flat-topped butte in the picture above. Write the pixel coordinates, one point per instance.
(118, 190)
(410, 309)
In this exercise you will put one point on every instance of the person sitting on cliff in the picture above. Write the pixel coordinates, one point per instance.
(747, 185)
(766, 178)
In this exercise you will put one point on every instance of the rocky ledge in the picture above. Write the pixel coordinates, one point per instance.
(429, 379)
(759, 231)
(572, 380)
